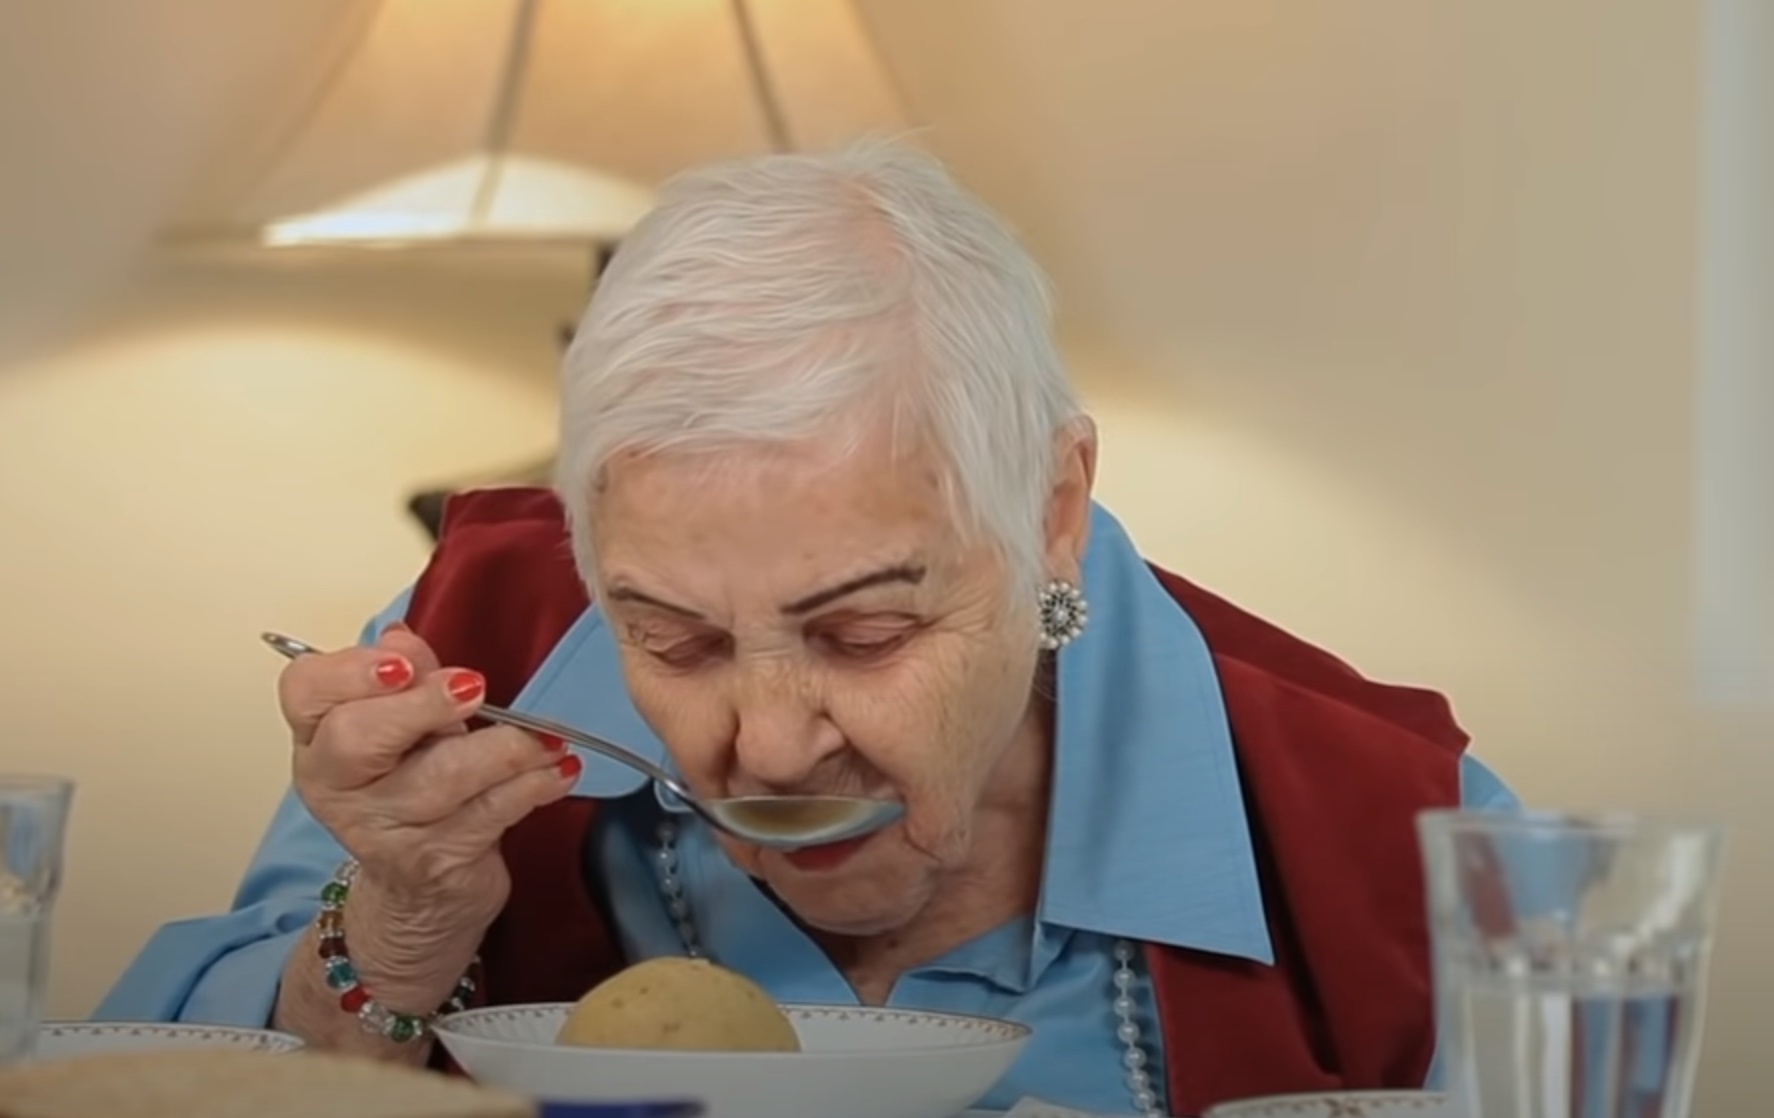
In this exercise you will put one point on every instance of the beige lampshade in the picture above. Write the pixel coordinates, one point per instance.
(444, 121)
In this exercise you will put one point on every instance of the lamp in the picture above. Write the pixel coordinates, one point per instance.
(450, 122)
(444, 123)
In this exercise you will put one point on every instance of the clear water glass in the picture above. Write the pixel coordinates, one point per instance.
(1571, 960)
(33, 822)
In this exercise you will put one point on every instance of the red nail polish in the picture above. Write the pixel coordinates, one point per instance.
(552, 743)
(570, 766)
(465, 687)
(394, 672)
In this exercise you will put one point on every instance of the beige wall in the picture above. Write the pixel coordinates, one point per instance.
(1387, 309)
(109, 110)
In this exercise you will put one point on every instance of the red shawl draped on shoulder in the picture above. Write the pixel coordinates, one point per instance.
(1335, 769)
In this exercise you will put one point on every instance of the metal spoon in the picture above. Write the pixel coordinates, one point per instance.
(780, 822)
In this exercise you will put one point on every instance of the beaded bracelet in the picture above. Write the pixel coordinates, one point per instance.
(341, 974)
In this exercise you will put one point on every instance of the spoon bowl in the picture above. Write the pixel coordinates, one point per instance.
(802, 821)
(777, 822)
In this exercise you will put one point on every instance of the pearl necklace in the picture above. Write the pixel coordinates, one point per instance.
(1134, 1060)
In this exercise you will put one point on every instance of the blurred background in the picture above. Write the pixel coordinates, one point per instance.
(1439, 332)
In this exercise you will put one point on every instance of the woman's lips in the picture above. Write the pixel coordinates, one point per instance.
(815, 859)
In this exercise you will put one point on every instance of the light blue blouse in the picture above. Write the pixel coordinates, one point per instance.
(1148, 840)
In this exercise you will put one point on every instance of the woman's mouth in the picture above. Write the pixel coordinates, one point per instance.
(828, 856)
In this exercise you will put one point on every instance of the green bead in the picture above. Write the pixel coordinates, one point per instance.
(403, 1028)
(334, 893)
(340, 974)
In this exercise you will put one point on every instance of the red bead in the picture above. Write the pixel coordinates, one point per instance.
(353, 999)
(332, 947)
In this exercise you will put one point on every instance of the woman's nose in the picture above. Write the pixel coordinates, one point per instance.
(781, 738)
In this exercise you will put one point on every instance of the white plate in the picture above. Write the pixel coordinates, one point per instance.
(80, 1038)
(1348, 1104)
(858, 1062)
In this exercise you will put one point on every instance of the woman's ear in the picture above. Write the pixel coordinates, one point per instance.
(1069, 498)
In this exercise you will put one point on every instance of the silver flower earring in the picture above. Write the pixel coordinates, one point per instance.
(1063, 613)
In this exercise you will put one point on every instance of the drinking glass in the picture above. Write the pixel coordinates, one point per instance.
(33, 820)
(1570, 960)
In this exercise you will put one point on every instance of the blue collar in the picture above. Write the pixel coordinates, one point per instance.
(1148, 836)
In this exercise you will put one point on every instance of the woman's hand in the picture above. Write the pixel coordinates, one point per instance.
(384, 762)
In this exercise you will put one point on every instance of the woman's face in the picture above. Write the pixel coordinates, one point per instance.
(795, 621)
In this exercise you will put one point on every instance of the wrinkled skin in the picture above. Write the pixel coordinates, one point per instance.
(721, 577)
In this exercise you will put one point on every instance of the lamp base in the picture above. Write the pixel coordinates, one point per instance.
(427, 505)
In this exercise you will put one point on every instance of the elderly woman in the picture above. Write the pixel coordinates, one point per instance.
(824, 524)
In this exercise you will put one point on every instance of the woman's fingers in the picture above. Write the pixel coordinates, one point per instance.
(505, 804)
(362, 740)
(441, 778)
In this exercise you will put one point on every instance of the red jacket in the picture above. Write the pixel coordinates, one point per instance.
(1334, 767)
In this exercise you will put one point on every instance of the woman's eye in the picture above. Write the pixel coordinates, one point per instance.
(689, 653)
(861, 646)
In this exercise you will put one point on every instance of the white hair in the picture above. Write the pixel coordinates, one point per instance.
(776, 299)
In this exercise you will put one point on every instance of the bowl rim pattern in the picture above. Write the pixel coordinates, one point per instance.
(979, 1032)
